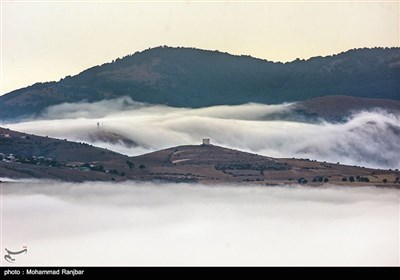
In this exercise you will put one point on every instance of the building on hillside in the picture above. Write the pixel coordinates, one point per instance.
(206, 141)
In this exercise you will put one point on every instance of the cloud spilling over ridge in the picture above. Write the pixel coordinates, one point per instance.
(366, 138)
(179, 224)
(104, 108)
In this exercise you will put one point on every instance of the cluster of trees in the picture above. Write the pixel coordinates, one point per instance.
(350, 179)
(250, 166)
(320, 179)
(397, 180)
(39, 161)
(362, 179)
(358, 179)
(252, 180)
(175, 179)
(100, 168)
(131, 165)
(302, 181)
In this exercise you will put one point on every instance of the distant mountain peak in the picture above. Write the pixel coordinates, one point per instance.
(190, 77)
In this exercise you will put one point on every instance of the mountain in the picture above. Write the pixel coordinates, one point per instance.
(187, 77)
(29, 156)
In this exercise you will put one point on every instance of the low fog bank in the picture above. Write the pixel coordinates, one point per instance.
(180, 224)
(366, 138)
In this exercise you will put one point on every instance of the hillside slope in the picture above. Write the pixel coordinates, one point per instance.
(219, 165)
(338, 108)
(187, 77)
(30, 156)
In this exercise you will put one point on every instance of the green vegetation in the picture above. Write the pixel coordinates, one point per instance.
(187, 77)
(302, 181)
(130, 164)
(320, 179)
(250, 166)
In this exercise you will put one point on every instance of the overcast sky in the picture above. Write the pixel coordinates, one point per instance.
(45, 41)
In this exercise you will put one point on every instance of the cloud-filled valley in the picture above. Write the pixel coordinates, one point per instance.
(180, 224)
(136, 223)
(367, 138)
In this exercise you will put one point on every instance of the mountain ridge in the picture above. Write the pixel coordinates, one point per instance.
(188, 77)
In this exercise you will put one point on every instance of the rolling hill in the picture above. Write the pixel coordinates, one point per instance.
(29, 156)
(187, 77)
(25, 155)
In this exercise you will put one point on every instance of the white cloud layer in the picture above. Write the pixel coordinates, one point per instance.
(368, 138)
(179, 224)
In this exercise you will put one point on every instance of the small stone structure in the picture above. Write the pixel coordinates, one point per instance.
(206, 141)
